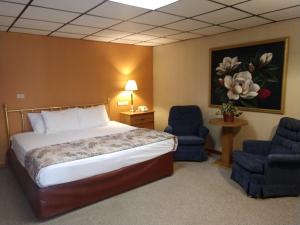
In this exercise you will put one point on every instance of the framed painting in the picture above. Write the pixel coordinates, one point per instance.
(252, 75)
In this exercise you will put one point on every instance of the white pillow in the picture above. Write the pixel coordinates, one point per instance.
(37, 122)
(93, 117)
(63, 120)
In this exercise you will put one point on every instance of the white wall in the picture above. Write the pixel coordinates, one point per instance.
(181, 76)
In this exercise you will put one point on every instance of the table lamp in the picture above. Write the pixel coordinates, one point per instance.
(131, 86)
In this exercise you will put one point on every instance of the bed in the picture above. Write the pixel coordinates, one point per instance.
(69, 185)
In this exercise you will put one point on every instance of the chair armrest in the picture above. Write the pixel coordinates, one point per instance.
(283, 169)
(169, 129)
(274, 159)
(203, 131)
(257, 147)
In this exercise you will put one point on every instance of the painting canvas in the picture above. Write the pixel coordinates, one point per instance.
(251, 75)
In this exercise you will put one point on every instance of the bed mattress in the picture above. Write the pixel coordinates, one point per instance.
(83, 168)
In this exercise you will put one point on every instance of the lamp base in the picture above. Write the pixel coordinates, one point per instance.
(131, 109)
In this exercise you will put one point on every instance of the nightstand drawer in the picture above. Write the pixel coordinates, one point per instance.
(146, 125)
(138, 119)
(143, 118)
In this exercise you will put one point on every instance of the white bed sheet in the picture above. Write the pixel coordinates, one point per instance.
(83, 168)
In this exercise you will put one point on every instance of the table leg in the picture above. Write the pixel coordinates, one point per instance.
(227, 145)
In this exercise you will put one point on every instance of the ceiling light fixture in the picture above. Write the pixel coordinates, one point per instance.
(146, 4)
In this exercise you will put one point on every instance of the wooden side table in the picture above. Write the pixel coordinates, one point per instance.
(227, 137)
(138, 119)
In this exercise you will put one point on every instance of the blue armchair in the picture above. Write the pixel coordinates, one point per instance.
(270, 168)
(186, 123)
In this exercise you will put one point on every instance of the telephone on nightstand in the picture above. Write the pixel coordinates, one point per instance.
(142, 108)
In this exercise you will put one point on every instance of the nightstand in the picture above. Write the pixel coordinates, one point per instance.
(138, 119)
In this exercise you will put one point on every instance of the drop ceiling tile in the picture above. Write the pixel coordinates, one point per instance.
(6, 20)
(283, 14)
(10, 9)
(245, 23)
(124, 41)
(222, 16)
(96, 38)
(74, 29)
(146, 4)
(29, 31)
(19, 1)
(190, 8)
(163, 40)
(131, 27)
(184, 36)
(186, 25)
(156, 18)
(67, 35)
(69, 5)
(229, 2)
(50, 15)
(36, 24)
(148, 44)
(117, 10)
(3, 28)
(263, 6)
(161, 31)
(112, 34)
(95, 21)
(212, 30)
(140, 37)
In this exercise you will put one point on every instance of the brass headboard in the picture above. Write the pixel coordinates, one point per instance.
(24, 111)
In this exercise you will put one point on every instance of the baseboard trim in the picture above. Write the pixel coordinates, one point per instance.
(213, 151)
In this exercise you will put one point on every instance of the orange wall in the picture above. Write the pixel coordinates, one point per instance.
(58, 71)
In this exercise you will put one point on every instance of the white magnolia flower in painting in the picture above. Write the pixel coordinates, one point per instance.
(241, 85)
(227, 65)
(265, 58)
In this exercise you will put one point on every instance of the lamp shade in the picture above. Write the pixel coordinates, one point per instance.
(131, 85)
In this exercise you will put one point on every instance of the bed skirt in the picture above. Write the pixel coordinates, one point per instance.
(54, 200)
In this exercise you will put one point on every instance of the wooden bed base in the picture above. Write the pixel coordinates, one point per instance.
(54, 200)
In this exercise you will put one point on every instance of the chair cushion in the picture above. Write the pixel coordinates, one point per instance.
(190, 140)
(251, 162)
(185, 120)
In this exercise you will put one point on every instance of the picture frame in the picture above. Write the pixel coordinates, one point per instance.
(252, 75)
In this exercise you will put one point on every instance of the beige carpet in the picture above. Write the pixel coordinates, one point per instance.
(197, 193)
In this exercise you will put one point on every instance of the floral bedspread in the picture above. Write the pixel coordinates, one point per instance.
(39, 158)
